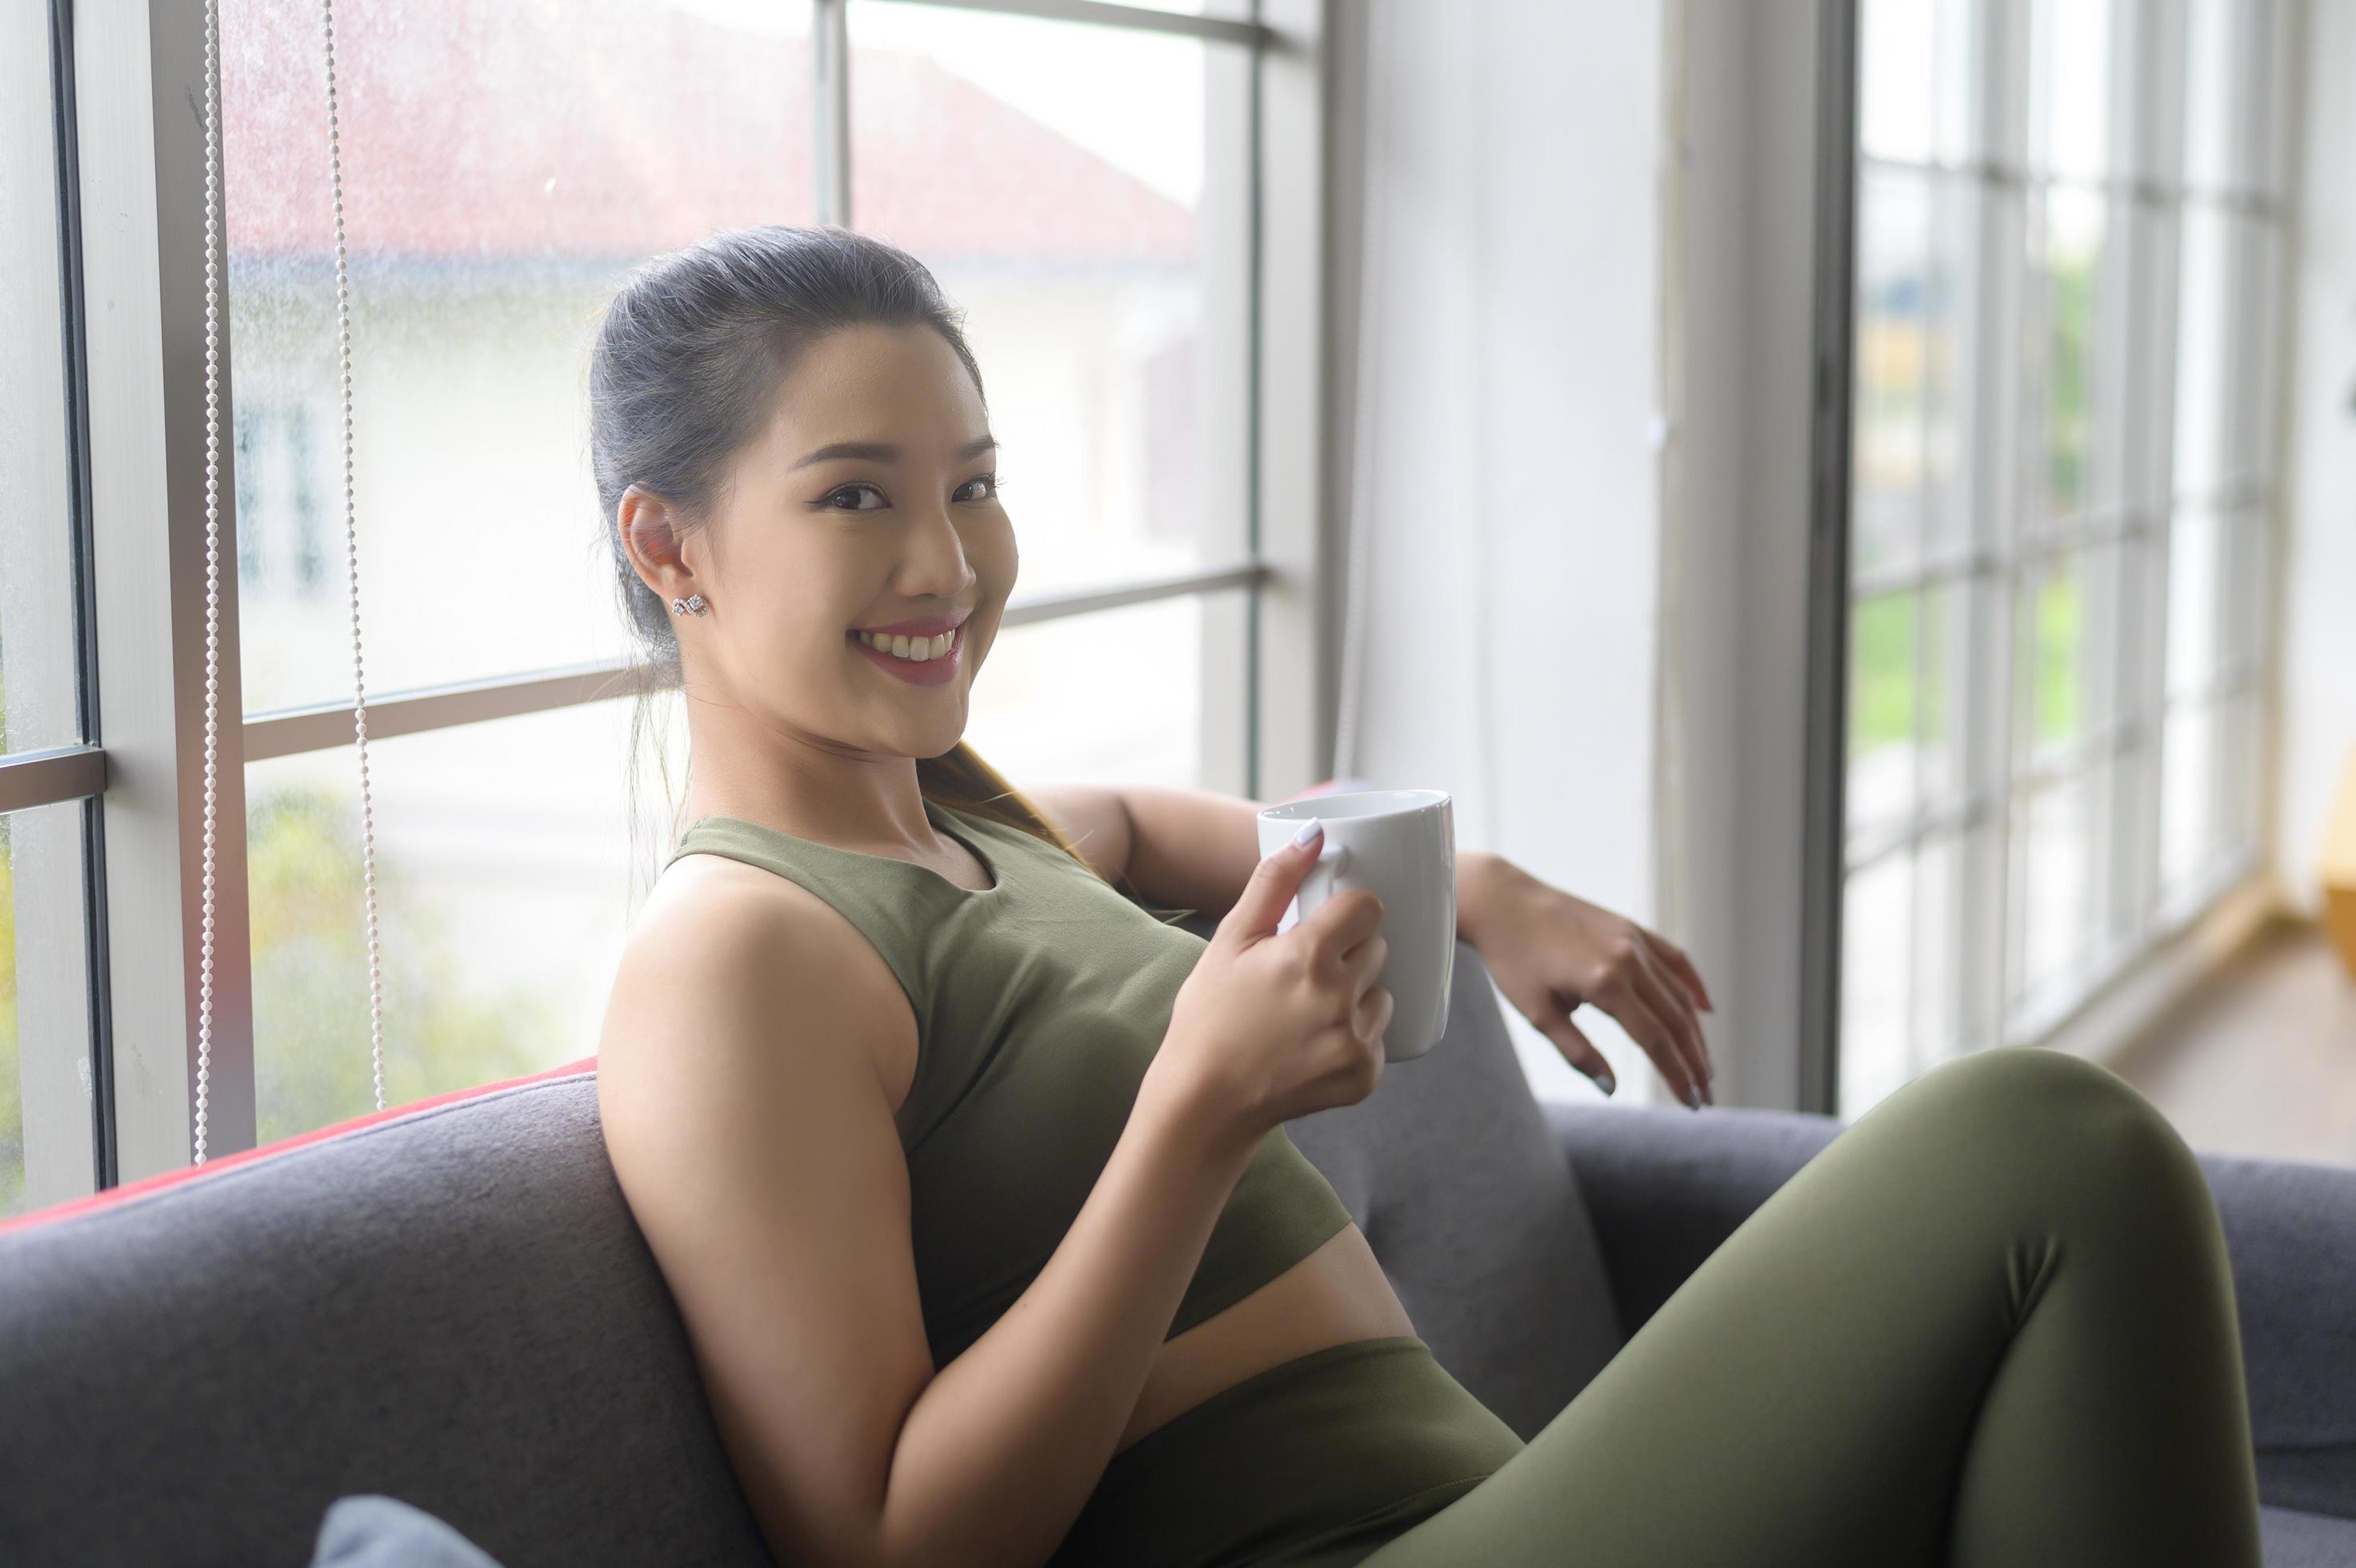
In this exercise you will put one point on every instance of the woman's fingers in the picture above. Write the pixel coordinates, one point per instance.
(1676, 1010)
(1553, 1019)
(1630, 1002)
(1682, 968)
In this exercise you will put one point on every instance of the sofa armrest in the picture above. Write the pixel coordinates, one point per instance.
(1665, 1186)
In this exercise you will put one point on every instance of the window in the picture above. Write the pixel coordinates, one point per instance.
(1086, 185)
(2068, 218)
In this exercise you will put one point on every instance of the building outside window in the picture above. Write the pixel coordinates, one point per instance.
(1085, 191)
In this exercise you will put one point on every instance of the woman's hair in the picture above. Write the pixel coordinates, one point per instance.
(687, 366)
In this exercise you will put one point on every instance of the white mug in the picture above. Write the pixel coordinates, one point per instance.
(1401, 844)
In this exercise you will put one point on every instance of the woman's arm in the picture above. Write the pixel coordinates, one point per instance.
(753, 1141)
(1192, 849)
(1549, 950)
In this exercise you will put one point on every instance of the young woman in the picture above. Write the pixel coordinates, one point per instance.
(970, 1174)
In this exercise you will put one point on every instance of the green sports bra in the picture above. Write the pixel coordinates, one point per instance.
(1039, 1001)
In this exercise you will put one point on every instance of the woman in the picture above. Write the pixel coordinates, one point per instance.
(969, 1175)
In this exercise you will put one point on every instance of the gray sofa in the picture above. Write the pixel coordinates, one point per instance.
(452, 1307)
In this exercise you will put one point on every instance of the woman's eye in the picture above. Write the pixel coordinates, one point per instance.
(977, 489)
(848, 498)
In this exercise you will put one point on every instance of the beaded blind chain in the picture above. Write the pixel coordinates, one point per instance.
(212, 540)
(353, 553)
(212, 551)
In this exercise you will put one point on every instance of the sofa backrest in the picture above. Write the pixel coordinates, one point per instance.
(452, 1307)
(449, 1303)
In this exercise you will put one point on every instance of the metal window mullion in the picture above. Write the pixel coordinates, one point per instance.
(137, 68)
(1289, 743)
(1252, 33)
(2003, 105)
(831, 111)
(288, 732)
(2133, 837)
(1831, 479)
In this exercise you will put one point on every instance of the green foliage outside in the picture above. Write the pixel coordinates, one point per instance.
(313, 1062)
(2068, 372)
(1883, 690)
(312, 1046)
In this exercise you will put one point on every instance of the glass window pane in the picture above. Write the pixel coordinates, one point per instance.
(2241, 772)
(2214, 31)
(1893, 351)
(2250, 429)
(2205, 363)
(2188, 796)
(2067, 624)
(1938, 952)
(1877, 942)
(2069, 351)
(45, 1069)
(38, 685)
(2057, 905)
(2247, 575)
(503, 865)
(2195, 598)
(504, 167)
(1941, 719)
(1950, 327)
(1049, 704)
(2069, 107)
(1898, 61)
(1883, 697)
(1081, 192)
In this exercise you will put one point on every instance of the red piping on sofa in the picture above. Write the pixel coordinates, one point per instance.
(161, 1180)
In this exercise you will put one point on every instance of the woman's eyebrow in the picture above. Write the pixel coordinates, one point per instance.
(884, 452)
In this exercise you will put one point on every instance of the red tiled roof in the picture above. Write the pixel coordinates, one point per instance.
(501, 129)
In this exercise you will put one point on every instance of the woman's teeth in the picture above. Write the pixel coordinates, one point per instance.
(914, 650)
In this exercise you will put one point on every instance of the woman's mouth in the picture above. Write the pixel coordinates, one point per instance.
(941, 657)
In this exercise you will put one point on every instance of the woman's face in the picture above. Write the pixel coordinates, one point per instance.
(868, 501)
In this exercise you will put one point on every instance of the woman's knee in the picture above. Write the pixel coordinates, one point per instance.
(2082, 1129)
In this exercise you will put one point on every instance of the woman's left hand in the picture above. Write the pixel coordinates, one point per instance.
(1550, 951)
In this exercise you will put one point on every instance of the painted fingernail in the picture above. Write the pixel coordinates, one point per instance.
(1693, 1097)
(1307, 830)
(1606, 1082)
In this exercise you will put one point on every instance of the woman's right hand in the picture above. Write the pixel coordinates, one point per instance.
(1268, 1028)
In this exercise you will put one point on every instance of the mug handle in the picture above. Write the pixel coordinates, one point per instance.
(1324, 879)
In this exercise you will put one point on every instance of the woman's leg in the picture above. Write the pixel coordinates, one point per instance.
(1990, 1325)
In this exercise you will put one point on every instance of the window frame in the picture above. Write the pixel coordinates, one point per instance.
(140, 772)
(2134, 916)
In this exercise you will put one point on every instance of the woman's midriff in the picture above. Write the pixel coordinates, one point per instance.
(1336, 1295)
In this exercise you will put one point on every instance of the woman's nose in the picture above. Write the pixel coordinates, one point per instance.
(937, 563)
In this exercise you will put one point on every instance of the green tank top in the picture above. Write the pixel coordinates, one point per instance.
(1039, 1001)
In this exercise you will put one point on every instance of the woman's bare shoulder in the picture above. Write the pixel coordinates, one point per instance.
(733, 927)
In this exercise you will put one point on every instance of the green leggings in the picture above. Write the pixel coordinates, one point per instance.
(1990, 1324)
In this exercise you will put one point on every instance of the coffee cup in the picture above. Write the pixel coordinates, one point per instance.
(1401, 844)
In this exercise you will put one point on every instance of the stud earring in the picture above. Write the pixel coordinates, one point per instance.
(692, 602)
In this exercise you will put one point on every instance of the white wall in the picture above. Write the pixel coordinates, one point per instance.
(1511, 617)
(2318, 604)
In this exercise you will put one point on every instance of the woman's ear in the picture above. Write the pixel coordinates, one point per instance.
(648, 525)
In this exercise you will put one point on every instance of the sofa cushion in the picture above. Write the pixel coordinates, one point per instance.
(2296, 1540)
(451, 1305)
(368, 1530)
